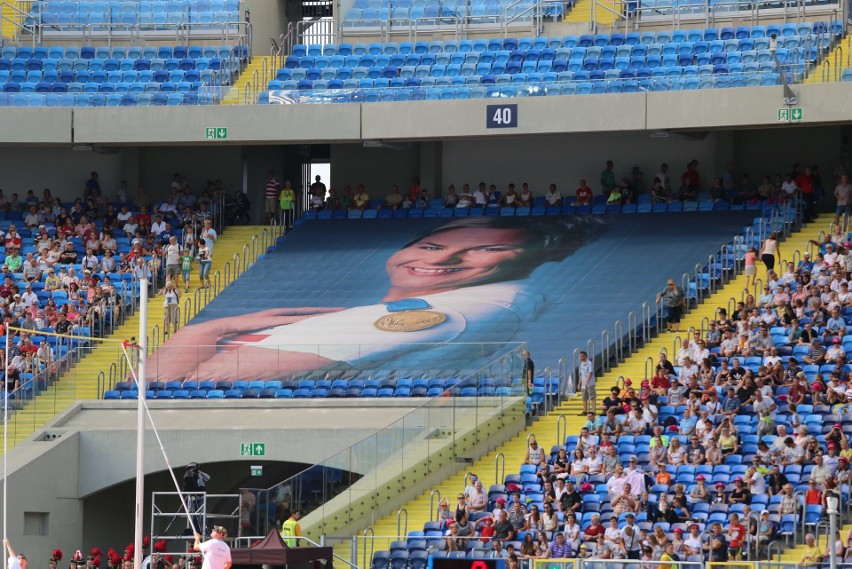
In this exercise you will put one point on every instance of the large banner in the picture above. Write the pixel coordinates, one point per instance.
(434, 296)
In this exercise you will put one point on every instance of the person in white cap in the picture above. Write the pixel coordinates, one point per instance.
(216, 553)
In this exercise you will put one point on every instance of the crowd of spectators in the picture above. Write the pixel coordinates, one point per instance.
(68, 267)
(154, 557)
(662, 187)
(738, 438)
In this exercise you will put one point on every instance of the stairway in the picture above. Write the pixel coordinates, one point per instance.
(81, 382)
(545, 429)
(262, 64)
(833, 64)
(8, 16)
(794, 555)
(582, 13)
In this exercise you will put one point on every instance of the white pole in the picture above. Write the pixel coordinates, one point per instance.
(141, 386)
(5, 439)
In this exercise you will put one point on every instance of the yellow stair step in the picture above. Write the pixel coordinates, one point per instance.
(257, 74)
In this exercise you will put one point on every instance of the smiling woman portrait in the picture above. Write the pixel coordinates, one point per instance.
(463, 281)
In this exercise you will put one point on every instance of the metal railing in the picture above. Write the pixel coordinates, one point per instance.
(675, 14)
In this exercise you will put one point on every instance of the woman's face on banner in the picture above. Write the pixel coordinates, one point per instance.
(461, 257)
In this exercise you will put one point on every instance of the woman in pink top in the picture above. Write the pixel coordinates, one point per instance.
(750, 268)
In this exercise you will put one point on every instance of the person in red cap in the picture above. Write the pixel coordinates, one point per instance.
(693, 546)
(719, 496)
(836, 435)
(740, 493)
(843, 476)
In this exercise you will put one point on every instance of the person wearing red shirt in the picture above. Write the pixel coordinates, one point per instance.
(690, 182)
(13, 238)
(736, 537)
(144, 219)
(805, 183)
(584, 194)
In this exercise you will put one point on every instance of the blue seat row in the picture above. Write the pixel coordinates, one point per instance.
(571, 41)
(546, 59)
(120, 52)
(304, 92)
(153, 13)
(104, 99)
(674, 207)
(108, 65)
(93, 87)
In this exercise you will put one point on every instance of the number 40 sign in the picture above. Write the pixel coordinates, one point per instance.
(501, 116)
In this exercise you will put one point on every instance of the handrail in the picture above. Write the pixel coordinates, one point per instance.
(548, 389)
(399, 516)
(619, 14)
(499, 468)
(618, 328)
(605, 342)
(562, 372)
(365, 533)
(432, 503)
(561, 429)
(649, 363)
(187, 311)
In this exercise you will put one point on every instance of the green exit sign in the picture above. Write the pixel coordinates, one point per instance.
(790, 114)
(257, 470)
(253, 449)
(216, 133)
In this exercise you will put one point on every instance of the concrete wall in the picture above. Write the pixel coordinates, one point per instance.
(268, 20)
(59, 168)
(187, 125)
(198, 164)
(376, 168)
(565, 159)
(271, 124)
(35, 126)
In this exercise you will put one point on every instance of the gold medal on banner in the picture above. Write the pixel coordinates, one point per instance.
(409, 320)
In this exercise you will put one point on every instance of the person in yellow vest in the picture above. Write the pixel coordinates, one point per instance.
(287, 201)
(291, 529)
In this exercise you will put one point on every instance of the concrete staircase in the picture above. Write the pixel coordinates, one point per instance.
(794, 555)
(546, 428)
(81, 382)
(8, 17)
(833, 64)
(582, 13)
(263, 65)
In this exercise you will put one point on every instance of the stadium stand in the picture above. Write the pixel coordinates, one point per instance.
(70, 76)
(703, 486)
(574, 64)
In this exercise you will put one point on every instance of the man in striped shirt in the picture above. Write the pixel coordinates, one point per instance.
(273, 187)
(559, 548)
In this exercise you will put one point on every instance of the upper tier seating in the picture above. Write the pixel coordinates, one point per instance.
(573, 64)
(376, 13)
(69, 16)
(54, 76)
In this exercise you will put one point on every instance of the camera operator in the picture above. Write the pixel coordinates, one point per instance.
(195, 482)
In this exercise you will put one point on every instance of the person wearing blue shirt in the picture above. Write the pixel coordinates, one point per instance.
(495, 198)
(805, 264)
(732, 404)
(836, 325)
(686, 426)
